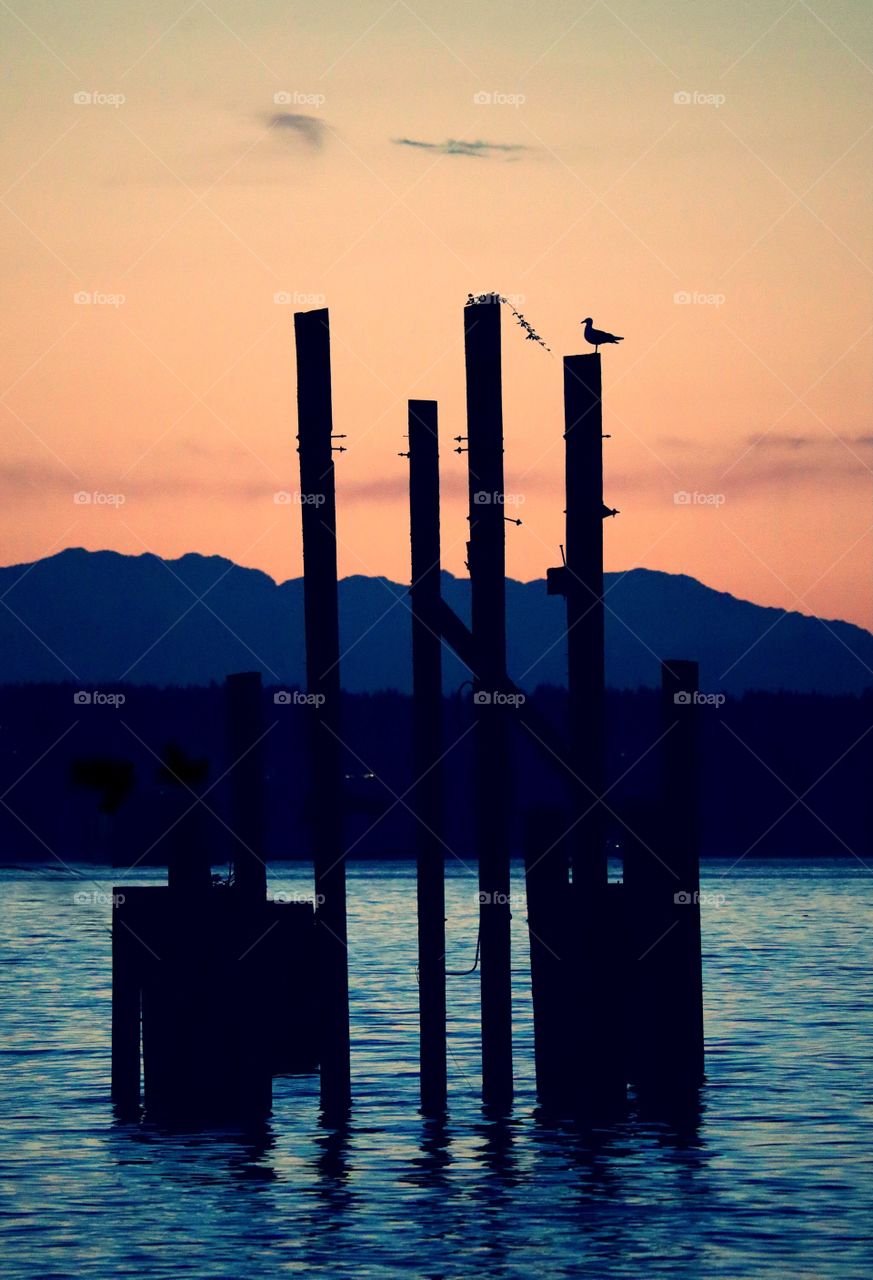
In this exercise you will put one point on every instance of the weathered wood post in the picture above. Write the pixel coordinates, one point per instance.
(245, 718)
(583, 435)
(427, 794)
(547, 882)
(680, 687)
(662, 885)
(189, 860)
(486, 558)
(600, 1080)
(321, 620)
(126, 984)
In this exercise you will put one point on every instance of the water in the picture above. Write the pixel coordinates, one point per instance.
(775, 1182)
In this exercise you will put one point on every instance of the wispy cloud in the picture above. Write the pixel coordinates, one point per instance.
(750, 465)
(29, 481)
(396, 488)
(308, 129)
(461, 147)
(769, 441)
(785, 443)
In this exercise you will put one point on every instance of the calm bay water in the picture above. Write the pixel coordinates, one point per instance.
(777, 1180)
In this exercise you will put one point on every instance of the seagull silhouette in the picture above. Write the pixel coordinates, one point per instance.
(596, 336)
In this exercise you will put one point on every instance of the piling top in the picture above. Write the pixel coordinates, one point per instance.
(315, 312)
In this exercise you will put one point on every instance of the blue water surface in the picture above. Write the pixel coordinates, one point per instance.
(775, 1181)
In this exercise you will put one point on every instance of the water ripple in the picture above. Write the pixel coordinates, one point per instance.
(775, 1180)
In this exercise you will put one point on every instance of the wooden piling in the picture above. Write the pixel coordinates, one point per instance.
(486, 559)
(681, 793)
(217, 992)
(125, 1010)
(586, 678)
(547, 878)
(321, 621)
(245, 719)
(189, 857)
(662, 883)
(600, 1079)
(427, 794)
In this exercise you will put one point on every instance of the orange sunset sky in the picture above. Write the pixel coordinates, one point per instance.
(182, 165)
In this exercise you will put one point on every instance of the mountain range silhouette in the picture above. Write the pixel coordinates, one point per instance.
(100, 617)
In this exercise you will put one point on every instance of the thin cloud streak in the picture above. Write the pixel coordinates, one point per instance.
(460, 147)
(309, 129)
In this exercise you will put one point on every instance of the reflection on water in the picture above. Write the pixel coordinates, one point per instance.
(770, 1177)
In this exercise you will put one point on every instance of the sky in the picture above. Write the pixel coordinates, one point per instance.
(178, 178)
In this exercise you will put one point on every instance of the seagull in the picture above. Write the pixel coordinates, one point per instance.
(596, 336)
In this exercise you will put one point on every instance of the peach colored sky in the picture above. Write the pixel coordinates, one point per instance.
(200, 197)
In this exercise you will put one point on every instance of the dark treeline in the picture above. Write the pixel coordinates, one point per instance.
(782, 774)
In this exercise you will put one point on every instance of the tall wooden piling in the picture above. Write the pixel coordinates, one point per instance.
(321, 622)
(681, 800)
(487, 564)
(126, 1014)
(593, 1042)
(662, 884)
(427, 794)
(583, 436)
(547, 883)
(245, 723)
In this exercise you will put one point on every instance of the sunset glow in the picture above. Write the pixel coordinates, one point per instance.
(695, 177)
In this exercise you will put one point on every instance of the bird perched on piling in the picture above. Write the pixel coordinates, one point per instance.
(597, 337)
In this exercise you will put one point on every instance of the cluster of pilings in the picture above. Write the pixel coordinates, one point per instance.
(207, 1001)
(615, 967)
(616, 972)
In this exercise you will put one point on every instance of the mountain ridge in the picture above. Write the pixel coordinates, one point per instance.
(105, 616)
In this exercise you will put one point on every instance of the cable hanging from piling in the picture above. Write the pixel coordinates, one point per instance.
(465, 973)
(456, 973)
